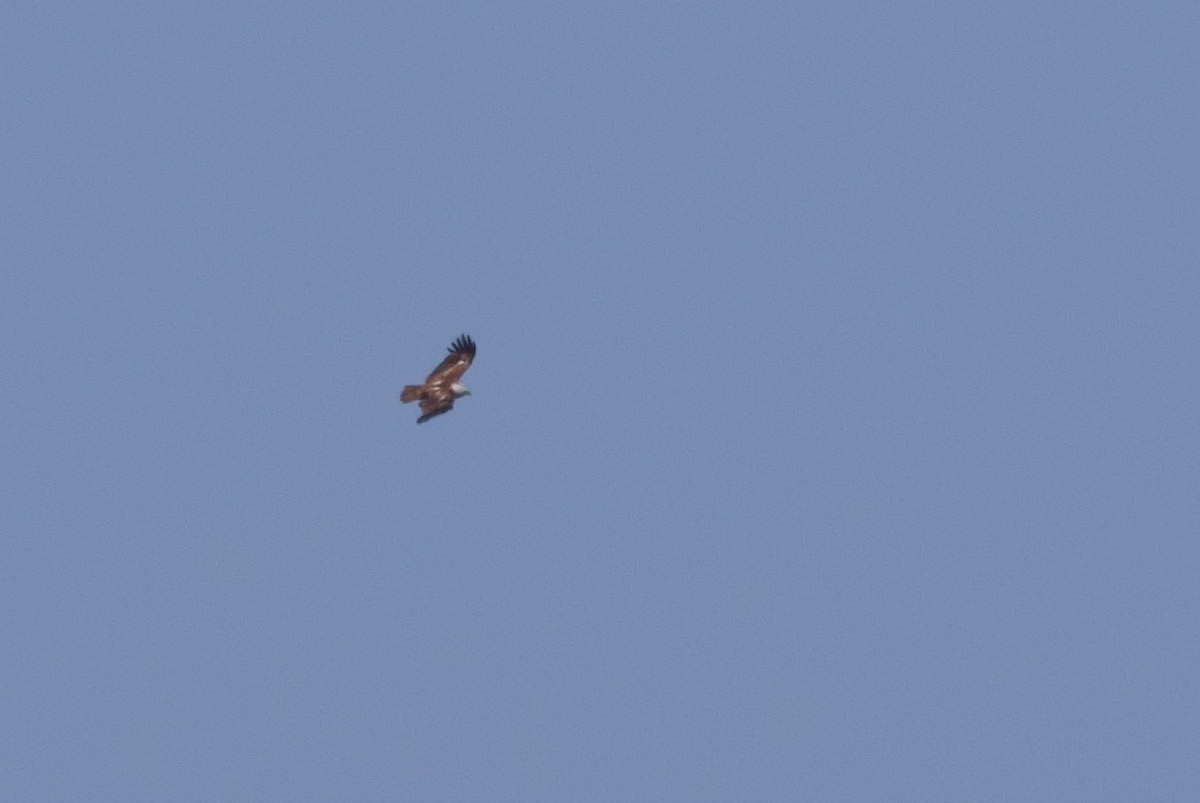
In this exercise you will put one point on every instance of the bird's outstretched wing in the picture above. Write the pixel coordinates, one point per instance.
(451, 369)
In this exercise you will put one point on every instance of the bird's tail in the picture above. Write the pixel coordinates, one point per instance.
(410, 393)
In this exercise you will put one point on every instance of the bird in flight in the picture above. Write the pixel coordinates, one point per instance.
(440, 390)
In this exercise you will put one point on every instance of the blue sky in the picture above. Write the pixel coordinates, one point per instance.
(833, 432)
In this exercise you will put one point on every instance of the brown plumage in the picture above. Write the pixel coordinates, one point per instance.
(441, 388)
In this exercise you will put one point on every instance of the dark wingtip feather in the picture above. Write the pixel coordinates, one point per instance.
(435, 413)
(464, 343)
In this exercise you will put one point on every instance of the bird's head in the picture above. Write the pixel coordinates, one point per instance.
(459, 391)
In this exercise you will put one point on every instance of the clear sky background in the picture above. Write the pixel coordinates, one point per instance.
(833, 432)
